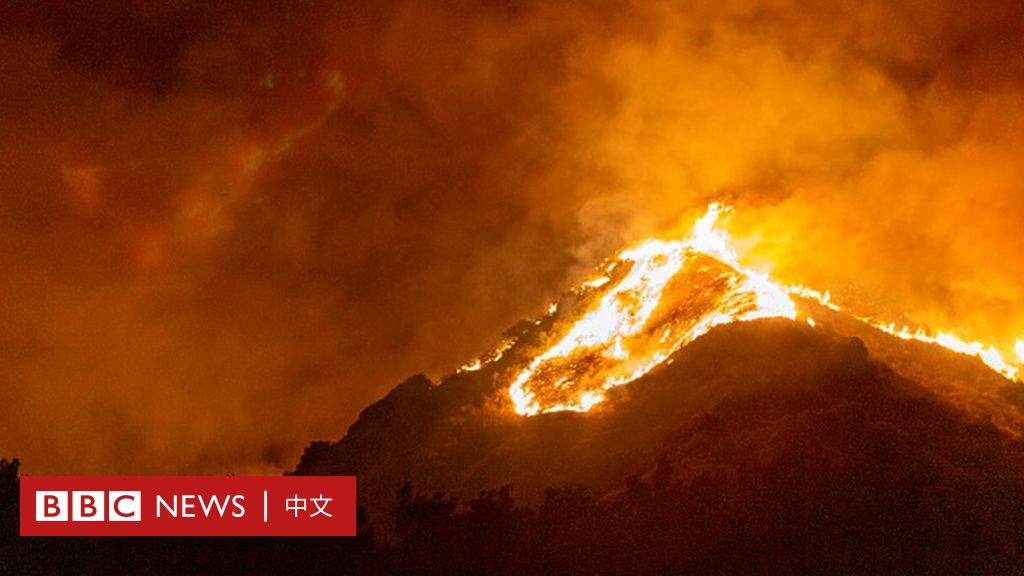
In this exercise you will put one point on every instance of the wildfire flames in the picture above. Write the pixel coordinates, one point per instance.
(660, 295)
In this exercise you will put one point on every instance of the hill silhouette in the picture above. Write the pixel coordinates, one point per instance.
(809, 417)
(762, 447)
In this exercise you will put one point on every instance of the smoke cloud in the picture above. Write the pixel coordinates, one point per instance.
(225, 230)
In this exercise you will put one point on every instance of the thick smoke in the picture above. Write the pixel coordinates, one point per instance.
(225, 230)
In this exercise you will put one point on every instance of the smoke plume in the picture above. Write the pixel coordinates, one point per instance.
(225, 229)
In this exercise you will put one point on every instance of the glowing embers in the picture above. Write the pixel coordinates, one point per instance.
(988, 354)
(670, 293)
(492, 356)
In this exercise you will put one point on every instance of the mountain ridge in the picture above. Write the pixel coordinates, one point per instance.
(770, 392)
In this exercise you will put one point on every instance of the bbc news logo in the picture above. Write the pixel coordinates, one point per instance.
(88, 506)
(188, 506)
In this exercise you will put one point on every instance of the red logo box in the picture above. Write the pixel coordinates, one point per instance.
(188, 506)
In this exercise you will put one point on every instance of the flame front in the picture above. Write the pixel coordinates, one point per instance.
(987, 353)
(671, 293)
(660, 295)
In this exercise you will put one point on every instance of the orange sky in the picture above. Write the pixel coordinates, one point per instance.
(224, 231)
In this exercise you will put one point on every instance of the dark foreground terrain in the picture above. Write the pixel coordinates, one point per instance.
(766, 447)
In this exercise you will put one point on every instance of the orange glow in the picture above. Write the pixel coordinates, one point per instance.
(492, 356)
(988, 354)
(660, 295)
(636, 324)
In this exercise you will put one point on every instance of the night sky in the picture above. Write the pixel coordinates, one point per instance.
(224, 230)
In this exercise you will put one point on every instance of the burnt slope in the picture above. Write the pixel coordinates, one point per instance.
(807, 410)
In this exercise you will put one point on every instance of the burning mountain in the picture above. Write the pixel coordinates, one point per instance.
(656, 297)
(651, 300)
(675, 352)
